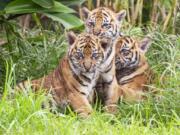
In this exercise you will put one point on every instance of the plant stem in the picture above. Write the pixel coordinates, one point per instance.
(98, 3)
(175, 16)
(154, 12)
(140, 12)
(170, 14)
(90, 4)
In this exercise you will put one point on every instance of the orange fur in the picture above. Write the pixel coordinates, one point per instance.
(132, 69)
(105, 24)
(73, 83)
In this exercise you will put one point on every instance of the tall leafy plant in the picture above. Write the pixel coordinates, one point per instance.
(51, 8)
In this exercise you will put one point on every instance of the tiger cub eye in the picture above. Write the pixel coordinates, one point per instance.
(126, 53)
(91, 24)
(79, 55)
(95, 55)
(106, 25)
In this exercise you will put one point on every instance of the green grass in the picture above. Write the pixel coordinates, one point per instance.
(33, 55)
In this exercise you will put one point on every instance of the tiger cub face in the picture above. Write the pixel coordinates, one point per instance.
(85, 52)
(103, 22)
(130, 52)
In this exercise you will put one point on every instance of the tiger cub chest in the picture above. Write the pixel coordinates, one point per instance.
(108, 60)
(89, 82)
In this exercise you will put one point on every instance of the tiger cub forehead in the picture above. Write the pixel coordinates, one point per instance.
(101, 12)
(126, 43)
(86, 39)
(87, 43)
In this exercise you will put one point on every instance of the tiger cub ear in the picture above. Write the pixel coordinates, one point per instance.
(144, 44)
(121, 15)
(71, 37)
(85, 12)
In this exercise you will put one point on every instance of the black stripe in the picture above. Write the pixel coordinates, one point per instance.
(125, 72)
(116, 30)
(72, 64)
(109, 53)
(130, 79)
(79, 80)
(59, 73)
(77, 77)
(93, 44)
(109, 67)
(81, 39)
(136, 60)
(129, 59)
(75, 87)
(71, 68)
(109, 83)
(126, 81)
(105, 15)
(136, 57)
(131, 40)
(86, 78)
(82, 93)
(127, 41)
(81, 43)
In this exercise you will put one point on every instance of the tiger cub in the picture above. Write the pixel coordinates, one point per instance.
(104, 23)
(132, 70)
(73, 80)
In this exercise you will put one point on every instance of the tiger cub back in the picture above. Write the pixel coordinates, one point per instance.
(132, 69)
(72, 82)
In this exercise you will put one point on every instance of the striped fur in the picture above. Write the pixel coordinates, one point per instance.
(72, 82)
(103, 22)
(132, 70)
(106, 24)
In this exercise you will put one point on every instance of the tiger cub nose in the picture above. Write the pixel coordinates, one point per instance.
(87, 65)
(97, 32)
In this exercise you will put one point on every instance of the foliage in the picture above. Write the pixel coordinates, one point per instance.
(34, 53)
(53, 9)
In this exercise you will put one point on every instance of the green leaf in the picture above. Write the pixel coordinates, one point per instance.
(26, 6)
(72, 2)
(69, 21)
(58, 7)
(44, 3)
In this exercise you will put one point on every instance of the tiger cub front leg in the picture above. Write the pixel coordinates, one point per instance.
(111, 91)
(111, 96)
(80, 104)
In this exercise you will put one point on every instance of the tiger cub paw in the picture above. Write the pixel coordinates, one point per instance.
(84, 115)
(113, 109)
(84, 112)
